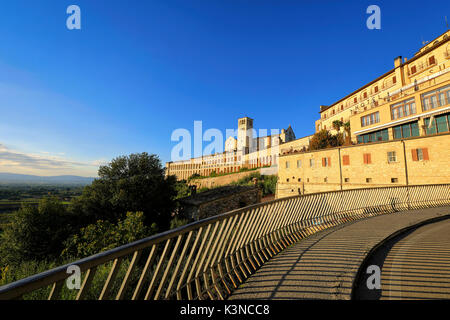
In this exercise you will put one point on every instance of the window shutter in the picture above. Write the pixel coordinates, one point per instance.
(323, 162)
(425, 154)
(329, 161)
(369, 160)
(365, 158)
(414, 154)
(431, 60)
(394, 79)
(346, 160)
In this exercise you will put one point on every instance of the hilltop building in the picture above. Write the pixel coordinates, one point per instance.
(246, 150)
(399, 135)
(399, 125)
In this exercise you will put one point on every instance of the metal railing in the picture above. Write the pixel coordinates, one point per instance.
(207, 259)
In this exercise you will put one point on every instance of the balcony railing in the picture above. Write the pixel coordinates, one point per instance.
(208, 259)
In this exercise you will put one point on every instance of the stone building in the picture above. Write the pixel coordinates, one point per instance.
(399, 127)
(417, 160)
(399, 134)
(246, 150)
(402, 102)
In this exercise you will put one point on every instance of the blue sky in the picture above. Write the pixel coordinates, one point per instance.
(137, 70)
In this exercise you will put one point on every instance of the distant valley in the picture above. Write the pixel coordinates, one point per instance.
(12, 178)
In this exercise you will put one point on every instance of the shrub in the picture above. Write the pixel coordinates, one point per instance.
(104, 235)
(129, 183)
(178, 222)
(36, 232)
(324, 139)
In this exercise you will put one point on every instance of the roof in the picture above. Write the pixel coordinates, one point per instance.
(418, 55)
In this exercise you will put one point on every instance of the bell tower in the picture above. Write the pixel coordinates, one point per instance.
(245, 134)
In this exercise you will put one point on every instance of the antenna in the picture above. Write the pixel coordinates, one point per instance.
(446, 22)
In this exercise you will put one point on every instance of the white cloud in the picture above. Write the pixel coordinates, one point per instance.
(43, 164)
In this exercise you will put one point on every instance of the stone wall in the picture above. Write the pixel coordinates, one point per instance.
(299, 177)
(220, 200)
(221, 180)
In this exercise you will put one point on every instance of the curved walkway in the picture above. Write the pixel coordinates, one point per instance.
(325, 265)
(414, 265)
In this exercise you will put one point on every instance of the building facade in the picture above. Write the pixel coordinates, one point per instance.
(246, 150)
(417, 160)
(399, 135)
(400, 103)
(399, 126)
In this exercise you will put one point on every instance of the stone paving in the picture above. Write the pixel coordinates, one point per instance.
(324, 265)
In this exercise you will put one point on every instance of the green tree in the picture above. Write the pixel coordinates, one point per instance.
(194, 176)
(347, 132)
(320, 140)
(324, 139)
(129, 183)
(104, 235)
(269, 185)
(182, 189)
(36, 233)
(337, 124)
(213, 174)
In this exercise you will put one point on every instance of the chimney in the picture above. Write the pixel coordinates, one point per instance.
(397, 61)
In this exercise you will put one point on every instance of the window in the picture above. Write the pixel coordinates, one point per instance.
(406, 130)
(365, 95)
(394, 79)
(375, 89)
(394, 180)
(325, 179)
(346, 160)
(413, 69)
(287, 164)
(287, 180)
(431, 60)
(420, 154)
(326, 162)
(392, 156)
(370, 119)
(299, 163)
(355, 99)
(367, 158)
(368, 180)
(346, 179)
(436, 98)
(311, 163)
(438, 124)
(380, 135)
(299, 179)
(403, 109)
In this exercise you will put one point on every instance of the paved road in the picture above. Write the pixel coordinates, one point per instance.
(325, 265)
